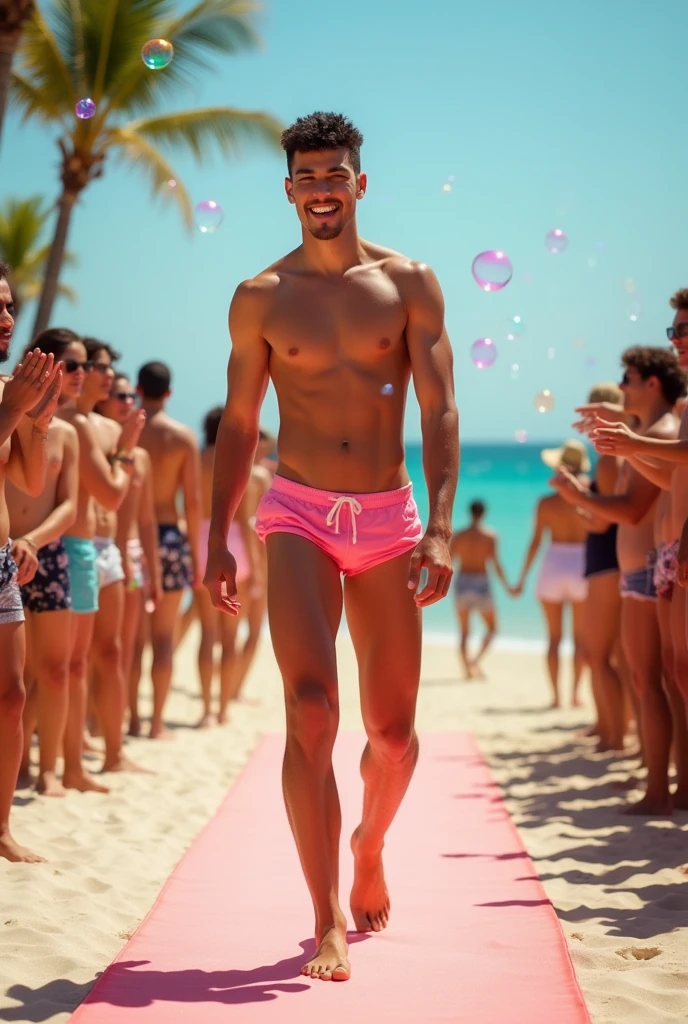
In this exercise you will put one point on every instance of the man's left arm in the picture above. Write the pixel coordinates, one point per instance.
(433, 379)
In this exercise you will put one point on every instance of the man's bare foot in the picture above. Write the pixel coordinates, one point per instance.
(121, 763)
(223, 717)
(369, 896)
(158, 731)
(90, 747)
(207, 721)
(330, 961)
(656, 808)
(478, 671)
(83, 782)
(48, 784)
(16, 854)
(134, 727)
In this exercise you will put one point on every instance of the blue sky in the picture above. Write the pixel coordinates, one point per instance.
(546, 115)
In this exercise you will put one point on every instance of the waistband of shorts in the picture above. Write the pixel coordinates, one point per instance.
(471, 576)
(103, 542)
(562, 548)
(669, 545)
(134, 544)
(78, 543)
(369, 499)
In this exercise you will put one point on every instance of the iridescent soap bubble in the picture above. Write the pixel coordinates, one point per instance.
(85, 108)
(556, 241)
(520, 436)
(630, 286)
(171, 184)
(514, 328)
(514, 371)
(492, 270)
(451, 179)
(157, 53)
(209, 216)
(544, 401)
(387, 389)
(579, 342)
(446, 187)
(483, 353)
(634, 312)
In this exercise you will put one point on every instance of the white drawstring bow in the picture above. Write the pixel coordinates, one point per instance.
(354, 510)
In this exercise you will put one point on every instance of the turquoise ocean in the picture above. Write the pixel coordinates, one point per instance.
(509, 478)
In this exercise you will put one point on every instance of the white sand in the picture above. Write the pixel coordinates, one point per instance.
(616, 882)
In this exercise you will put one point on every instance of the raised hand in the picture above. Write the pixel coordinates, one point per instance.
(567, 485)
(44, 410)
(431, 553)
(131, 429)
(615, 439)
(592, 412)
(24, 554)
(29, 383)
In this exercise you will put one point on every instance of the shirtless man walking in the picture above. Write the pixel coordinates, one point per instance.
(340, 325)
(173, 450)
(475, 549)
(652, 384)
(34, 387)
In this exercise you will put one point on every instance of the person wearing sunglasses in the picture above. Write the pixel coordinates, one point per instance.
(28, 399)
(137, 540)
(106, 482)
(39, 525)
(652, 384)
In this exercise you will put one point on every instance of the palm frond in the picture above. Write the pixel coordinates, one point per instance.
(35, 101)
(210, 26)
(139, 152)
(67, 292)
(46, 62)
(226, 127)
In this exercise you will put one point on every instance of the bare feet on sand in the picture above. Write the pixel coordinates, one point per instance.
(207, 721)
(653, 807)
(16, 854)
(369, 897)
(158, 731)
(83, 782)
(121, 763)
(48, 784)
(134, 727)
(330, 961)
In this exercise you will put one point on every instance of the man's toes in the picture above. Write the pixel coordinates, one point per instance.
(340, 973)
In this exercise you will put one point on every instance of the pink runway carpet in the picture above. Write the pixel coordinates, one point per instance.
(472, 936)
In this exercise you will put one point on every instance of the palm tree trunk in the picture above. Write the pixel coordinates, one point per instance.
(8, 44)
(54, 264)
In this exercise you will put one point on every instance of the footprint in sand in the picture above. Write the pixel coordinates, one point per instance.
(638, 953)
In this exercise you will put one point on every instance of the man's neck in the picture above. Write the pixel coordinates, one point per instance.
(657, 411)
(333, 257)
(85, 405)
(151, 406)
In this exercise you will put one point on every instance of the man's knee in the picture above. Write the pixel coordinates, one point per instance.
(12, 699)
(163, 648)
(53, 674)
(312, 712)
(392, 740)
(554, 644)
(110, 654)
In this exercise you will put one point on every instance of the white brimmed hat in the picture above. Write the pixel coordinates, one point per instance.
(572, 455)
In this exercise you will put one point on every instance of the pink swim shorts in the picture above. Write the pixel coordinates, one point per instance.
(357, 531)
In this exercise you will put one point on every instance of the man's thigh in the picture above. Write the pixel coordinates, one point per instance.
(304, 609)
(12, 655)
(386, 629)
(641, 641)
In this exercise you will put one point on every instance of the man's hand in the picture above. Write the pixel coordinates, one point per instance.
(567, 486)
(131, 430)
(220, 580)
(682, 557)
(44, 410)
(30, 381)
(592, 412)
(24, 555)
(431, 553)
(615, 439)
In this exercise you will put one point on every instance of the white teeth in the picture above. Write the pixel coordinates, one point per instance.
(323, 209)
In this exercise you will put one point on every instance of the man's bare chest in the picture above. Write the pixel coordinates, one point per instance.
(357, 322)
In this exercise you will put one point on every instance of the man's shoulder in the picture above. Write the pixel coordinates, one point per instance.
(664, 429)
(180, 433)
(62, 429)
(264, 284)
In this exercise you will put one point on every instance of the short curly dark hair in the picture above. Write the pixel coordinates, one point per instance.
(95, 345)
(679, 300)
(319, 131)
(4, 271)
(662, 363)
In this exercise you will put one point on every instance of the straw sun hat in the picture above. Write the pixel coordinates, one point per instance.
(572, 455)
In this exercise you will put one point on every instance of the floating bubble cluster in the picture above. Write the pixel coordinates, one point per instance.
(85, 109)
(521, 436)
(492, 270)
(209, 216)
(157, 53)
(514, 328)
(483, 353)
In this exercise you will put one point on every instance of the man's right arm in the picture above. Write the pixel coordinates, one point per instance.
(247, 382)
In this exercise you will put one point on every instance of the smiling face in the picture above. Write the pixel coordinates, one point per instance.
(324, 189)
(6, 319)
(120, 401)
(99, 378)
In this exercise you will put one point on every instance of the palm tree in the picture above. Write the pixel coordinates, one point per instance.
(13, 16)
(92, 48)
(23, 224)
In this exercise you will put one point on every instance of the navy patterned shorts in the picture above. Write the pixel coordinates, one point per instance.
(50, 589)
(176, 563)
(11, 609)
